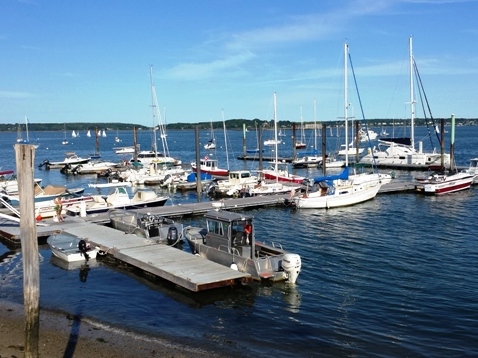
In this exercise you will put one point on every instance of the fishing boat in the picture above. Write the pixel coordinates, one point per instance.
(149, 226)
(228, 238)
(71, 248)
(118, 199)
(210, 166)
(401, 152)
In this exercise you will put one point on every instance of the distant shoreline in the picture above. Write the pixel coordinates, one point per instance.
(231, 124)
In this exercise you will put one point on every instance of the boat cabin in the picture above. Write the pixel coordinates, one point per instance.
(207, 163)
(230, 231)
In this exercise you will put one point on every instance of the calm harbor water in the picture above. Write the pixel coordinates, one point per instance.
(395, 276)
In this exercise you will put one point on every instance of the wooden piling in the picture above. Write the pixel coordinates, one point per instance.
(25, 158)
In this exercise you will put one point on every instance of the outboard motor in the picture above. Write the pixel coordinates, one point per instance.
(291, 264)
(45, 163)
(66, 169)
(83, 249)
(173, 236)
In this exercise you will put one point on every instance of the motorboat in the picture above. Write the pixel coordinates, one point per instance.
(271, 188)
(238, 179)
(146, 157)
(9, 182)
(95, 167)
(308, 161)
(70, 158)
(71, 248)
(46, 193)
(153, 174)
(332, 162)
(444, 182)
(154, 227)
(46, 209)
(126, 150)
(228, 238)
(110, 184)
(365, 135)
(473, 169)
(118, 199)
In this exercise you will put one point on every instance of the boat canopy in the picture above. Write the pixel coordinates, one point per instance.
(344, 176)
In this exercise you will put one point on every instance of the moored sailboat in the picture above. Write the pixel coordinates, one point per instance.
(401, 152)
(342, 189)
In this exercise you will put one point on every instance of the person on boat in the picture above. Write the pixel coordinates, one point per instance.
(248, 231)
(58, 208)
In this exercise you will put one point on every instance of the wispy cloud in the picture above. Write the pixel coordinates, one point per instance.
(15, 95)
(202, 70)
(242, 47)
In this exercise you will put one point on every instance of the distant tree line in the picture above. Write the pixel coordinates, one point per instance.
(231, 124)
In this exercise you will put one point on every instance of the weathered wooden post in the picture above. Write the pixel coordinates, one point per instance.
(25, 159)
(324, 148)
(198, 167)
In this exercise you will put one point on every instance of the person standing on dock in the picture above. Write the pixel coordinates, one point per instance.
(58, 208)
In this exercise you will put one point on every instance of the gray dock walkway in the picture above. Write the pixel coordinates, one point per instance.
(179, 267)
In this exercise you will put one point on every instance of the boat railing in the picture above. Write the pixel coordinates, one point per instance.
(276, 245)
(224, 248)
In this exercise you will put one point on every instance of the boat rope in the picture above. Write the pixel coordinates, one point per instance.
(424, 99)
(374, 164)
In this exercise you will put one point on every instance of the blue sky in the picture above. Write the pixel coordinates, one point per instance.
(87, 61)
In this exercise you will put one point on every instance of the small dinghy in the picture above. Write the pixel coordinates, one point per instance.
(71, 248)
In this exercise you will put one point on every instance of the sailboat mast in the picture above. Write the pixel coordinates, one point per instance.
(225, 138)
(275, 128)
(26, 128)
(346, 104)
(315, 126)
(153, 106)
(412, 98)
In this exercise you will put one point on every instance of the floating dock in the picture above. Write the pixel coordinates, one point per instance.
(184, 269)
